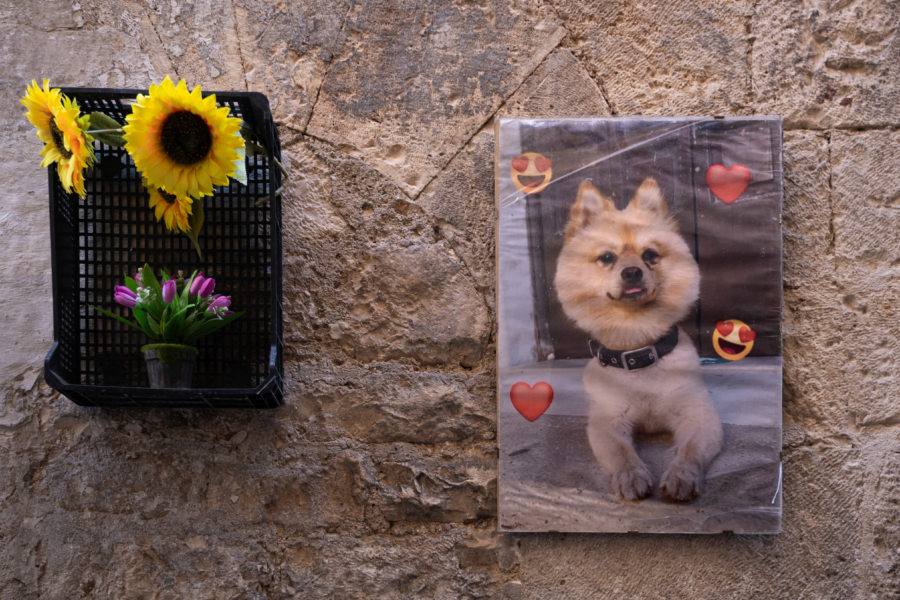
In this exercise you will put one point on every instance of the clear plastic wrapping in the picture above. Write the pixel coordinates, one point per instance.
(639, 303)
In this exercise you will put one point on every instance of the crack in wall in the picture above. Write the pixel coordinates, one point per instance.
(574, 47)
(439, 225)
(332, 59)
(237, 35)
(599, 83)
(486, 122)
(852, 128)
(831, 232)
(163, 46)
(751, 39)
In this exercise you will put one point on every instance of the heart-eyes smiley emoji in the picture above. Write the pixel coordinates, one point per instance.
(531, 172)
(733, 339)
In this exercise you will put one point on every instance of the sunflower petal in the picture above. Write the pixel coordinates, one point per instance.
(143, 140)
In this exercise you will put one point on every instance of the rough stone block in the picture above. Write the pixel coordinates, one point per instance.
(52, 16)
(807, 214)
(559, 87)
(654, 58)
(867, 257)
(827, 64)
(457, 487)
(881, 564)
(389, 403)
(406, 97)
(286, 50)
(461, 197)
(196, 41)
(379, 284)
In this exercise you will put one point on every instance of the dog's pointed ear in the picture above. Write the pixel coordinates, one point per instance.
(589, 204)
(649, 198)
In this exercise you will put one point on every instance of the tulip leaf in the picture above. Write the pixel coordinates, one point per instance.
(154, 325)
(141, 316)
(215, 324)
(148, 278)
(118, 318)
(175, 324)
(186, 292)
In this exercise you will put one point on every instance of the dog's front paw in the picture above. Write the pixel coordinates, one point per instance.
(682, 482)
(633, 484)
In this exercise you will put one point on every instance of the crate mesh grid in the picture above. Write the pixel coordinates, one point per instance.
(112, 232)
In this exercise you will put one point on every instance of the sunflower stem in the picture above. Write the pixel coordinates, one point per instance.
(93, 131)
(282, 169)
(262, 201)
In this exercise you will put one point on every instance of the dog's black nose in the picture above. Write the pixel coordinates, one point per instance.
(632, 275)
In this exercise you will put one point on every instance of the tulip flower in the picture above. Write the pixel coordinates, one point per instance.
(168, 291)
(219, 305)
(196, 284)
(173, 310)
(206, 288)
(125, 297)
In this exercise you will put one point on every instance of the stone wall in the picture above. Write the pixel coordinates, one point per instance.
(378, 478)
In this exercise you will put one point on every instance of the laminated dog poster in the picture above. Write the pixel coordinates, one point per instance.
(639, 307)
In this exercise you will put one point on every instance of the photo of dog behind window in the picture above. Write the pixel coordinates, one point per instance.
(639, 340)
(627, 278)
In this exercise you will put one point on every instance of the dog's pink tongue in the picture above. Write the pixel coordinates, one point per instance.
(634, 290)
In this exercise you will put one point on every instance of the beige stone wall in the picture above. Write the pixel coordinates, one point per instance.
(378, 477)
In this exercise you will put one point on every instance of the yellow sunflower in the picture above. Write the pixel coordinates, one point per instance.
(61, 127)
(181, 141)
(173, 208)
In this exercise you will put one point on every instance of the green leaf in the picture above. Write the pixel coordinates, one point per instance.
(101, 120)
(241, 165)
(109, 130)
(247, 132)
(163, 321)
(110, 139)
(141, 316)
(154, 326)
(148, 278)
(118, 318)
(213, 325)
(186, 292)
(196, 224)
(175, 324)
(192, 329)
(131, 284)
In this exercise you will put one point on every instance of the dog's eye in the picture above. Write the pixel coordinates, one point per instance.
(607, 258)
(650, 256)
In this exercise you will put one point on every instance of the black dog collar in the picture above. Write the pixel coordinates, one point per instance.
(637, 358)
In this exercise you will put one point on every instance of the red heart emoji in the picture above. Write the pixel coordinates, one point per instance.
(542, 163)
(746, 334)
(531, 402)
(724, 327)
(520, 163)
(727, 183)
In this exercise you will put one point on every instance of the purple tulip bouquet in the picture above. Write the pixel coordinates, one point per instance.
(175, 313)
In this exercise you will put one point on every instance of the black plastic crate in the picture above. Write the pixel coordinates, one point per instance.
(96, 360)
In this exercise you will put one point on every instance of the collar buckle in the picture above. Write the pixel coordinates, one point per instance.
(639, 358)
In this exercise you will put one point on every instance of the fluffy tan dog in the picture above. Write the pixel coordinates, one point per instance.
(627, 278)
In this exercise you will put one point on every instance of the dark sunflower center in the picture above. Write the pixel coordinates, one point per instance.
(170, 198)
(58, 139)
(185, 137)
